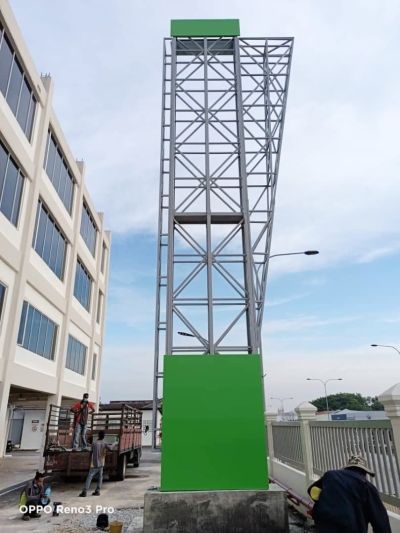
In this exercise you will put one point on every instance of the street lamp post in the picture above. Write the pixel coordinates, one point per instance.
(326, 394)
(384, 346)
(281, 400)
(307, 252)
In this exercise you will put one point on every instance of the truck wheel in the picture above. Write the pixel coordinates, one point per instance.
(136, 460)
(121, 468)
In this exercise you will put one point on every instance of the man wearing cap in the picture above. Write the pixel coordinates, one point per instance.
(346, 502)
(81, 410)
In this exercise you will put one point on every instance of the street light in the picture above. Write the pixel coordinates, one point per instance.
(326, 395)
(384, 346)
(184, 334)
(307, 252)
(281, 400)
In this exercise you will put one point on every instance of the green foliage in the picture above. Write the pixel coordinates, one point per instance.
(346, 400)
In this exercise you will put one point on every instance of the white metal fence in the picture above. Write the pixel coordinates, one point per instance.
(332, 443)
(287, 443)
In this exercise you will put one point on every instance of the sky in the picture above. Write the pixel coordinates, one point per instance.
(338, 188)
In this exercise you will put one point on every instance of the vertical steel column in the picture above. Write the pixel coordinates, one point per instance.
(248, 256)
(209, 257)
(171, 206)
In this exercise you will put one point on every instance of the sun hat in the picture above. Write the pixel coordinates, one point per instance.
(359, 462)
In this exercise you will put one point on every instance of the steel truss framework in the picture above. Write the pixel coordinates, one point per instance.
(224, 103)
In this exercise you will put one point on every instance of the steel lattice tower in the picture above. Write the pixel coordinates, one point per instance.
(224, 102)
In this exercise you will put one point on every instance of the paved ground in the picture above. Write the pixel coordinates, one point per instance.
(17, 468)
(126, 498)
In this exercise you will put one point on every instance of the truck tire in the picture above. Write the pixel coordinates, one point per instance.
(136, 458)
(121, 467)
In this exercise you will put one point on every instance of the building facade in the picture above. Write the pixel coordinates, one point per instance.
(54, 251)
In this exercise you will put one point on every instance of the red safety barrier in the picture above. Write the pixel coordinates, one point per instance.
(292, 496)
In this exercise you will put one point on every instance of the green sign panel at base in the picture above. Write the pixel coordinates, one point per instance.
(213, 424)
(205, 28)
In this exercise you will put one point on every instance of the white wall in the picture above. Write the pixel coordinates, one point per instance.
(32, 432)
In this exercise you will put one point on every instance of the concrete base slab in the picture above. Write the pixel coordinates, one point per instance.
(233, 511)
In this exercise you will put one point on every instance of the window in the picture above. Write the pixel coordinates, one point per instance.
(2, 298)
(15, 86)
(88, 229)
(57, 170)
(37, 333)
(49, 242)
(83, 283)
(11, 184)
(76, 356)
(103, 257)
(94, 365)
(99, 307)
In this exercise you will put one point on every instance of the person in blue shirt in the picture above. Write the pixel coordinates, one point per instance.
(346, 502)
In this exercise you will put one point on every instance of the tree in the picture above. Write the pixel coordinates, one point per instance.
(347, 400)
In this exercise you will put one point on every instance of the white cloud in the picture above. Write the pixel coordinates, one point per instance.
(315, 281)
(357, 367)
(340, 159)
(127, 372)
(378, 253)
(303, 322)
(281, 301)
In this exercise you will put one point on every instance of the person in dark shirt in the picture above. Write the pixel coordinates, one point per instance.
(34, 495)
(99, 449)
(346, 502)
(81, 410)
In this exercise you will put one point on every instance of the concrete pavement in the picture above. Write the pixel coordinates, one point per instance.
(126, 495)
(127, 498)
(17, 468)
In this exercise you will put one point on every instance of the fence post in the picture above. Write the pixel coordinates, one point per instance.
(391, 401)
(306, 413)
(270, 417)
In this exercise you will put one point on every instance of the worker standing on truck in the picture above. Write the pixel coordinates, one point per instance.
(99, 450)
(81, 410)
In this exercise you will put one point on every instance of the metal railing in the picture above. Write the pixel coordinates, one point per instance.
(333, 442)
(287, 443)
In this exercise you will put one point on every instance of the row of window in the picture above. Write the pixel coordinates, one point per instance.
(38, 334)
(11, 184)
(88, 229)
(76, 356)
(20, 98)
(15, 86)
(57, 170)
(49, 242)
(48, 239)
(83, 285)
(11, 187)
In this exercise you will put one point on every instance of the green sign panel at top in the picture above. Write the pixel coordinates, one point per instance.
(205, 28)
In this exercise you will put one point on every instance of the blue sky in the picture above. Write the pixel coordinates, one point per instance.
(338, 188)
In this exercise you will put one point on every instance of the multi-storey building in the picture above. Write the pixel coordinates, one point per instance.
(54, 251)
